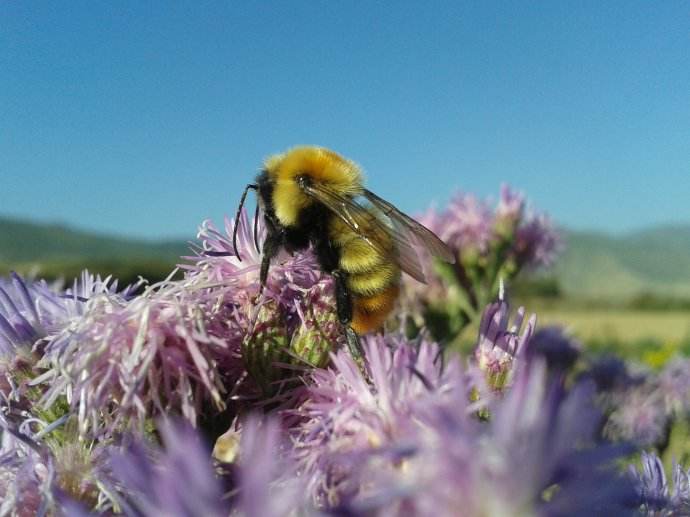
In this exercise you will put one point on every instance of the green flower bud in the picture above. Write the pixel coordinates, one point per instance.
(319, 333)
(265, 346)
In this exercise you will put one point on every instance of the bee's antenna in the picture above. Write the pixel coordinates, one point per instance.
(256, 228)
(237, 219)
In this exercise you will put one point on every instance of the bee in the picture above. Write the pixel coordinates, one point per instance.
(313, 196)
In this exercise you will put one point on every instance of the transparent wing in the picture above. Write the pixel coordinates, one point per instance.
(373, 229)
(419, 233)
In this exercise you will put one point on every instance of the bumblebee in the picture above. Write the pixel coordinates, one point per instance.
(313, 196)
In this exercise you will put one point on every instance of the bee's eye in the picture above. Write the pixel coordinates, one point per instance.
(303, 179)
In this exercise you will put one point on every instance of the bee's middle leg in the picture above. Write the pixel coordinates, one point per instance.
(343, 299)
(343, 302)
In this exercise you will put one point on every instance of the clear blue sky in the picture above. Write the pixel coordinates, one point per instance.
(143, 118)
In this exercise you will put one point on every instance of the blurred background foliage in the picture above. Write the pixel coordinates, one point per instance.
(628, 295)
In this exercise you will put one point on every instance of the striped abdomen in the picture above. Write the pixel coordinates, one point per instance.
(372, 277)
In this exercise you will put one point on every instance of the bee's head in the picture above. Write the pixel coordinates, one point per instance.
(300, 165)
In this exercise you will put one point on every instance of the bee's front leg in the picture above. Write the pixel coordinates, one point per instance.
(270, 249)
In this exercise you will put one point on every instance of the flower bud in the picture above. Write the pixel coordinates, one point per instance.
(265, 345)
(319, 331)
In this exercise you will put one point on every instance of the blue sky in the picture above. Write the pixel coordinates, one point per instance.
(144, 118)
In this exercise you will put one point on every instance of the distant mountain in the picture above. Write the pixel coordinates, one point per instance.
(655, 260)
(22, 241)
(54, 251)
(593, 265)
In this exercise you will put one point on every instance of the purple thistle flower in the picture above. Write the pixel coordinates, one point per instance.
(610, 373)
(656, 497)
(349, 413)
(20, 323)
(24, 479)
(40, 472)
(510, 206)
(130, 360)
(674, 386)
(472, 228)
(509, 213)
(268, 481)
(215, 265)
(183, 343)
(638, 415)
(31, 313)
(536, 242)
(558, 349)
(492, 246)
(404, 440)
(294, 319)
(36, 310)
(176, 482)
(466, 225)
(500, 343)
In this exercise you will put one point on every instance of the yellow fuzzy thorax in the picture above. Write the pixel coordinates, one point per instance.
(322, 165)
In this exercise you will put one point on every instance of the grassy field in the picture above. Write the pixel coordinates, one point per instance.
(620, 324)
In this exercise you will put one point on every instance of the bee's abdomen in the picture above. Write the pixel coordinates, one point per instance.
(372, 280)
(370, 312)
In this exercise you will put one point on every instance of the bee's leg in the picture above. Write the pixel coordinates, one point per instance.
(353, 344)
(270, 249)
(343, 300)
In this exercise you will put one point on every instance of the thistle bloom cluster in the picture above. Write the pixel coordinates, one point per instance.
(404, 438)
(491, 245)
(111, 399)
(644, 409)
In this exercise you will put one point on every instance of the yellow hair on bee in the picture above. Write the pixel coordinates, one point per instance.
(357, 256)
(322, 165)
(374, 281)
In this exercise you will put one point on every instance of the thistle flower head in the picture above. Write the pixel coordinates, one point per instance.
(638, 415)
(474, 229)
(610, 373)
(125, 361)
(24, 484)
(20, 322)
(465, 225)
(558, 349)
(348, 412)
(655, 495)
(509, 211)
(41, 472)
(178, 480)
(536, 429)
(215, 264)
(674, 386)
(292, 321)
(268, 479)
(500, 342)
(537, 243)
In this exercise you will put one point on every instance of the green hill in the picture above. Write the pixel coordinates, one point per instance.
(53, 251)
(654, 261)
(26, 241)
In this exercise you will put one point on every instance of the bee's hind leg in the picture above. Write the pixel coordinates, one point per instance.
(353, 344)
(343, 300)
